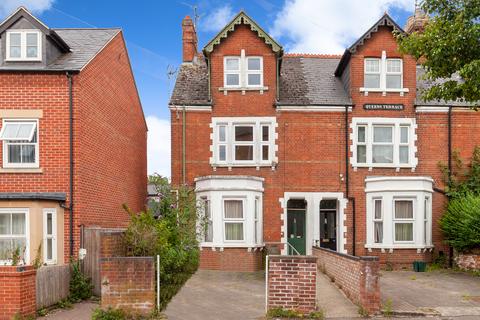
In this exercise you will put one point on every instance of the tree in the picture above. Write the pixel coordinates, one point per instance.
(449, 48)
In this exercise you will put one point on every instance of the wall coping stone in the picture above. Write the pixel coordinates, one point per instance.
(348, 256)
(295, 257)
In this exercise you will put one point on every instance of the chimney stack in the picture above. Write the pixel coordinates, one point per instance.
(417, 22)
(189, 38)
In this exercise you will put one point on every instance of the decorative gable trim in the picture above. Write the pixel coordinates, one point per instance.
(243, 18)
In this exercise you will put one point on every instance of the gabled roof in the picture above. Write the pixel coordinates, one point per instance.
(385, 20)
(22, 12)
(243, 18)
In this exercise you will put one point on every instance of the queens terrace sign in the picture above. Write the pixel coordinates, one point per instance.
(383, 106)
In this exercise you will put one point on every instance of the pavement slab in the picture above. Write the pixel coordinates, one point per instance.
(332, 301)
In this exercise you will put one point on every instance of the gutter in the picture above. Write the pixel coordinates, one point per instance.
(347, 189)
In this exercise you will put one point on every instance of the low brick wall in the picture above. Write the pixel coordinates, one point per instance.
(128, 283)
(292, 282)
(231, 259)
(468, 261)
(17, 291)
(357, 277)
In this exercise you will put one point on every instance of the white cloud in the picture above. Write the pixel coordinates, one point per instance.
(37, 6)
(215, 21)
(329, 26)
(158, 146)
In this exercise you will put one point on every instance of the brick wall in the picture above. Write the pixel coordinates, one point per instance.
(292, 283)
(17, 291)
(468, 261)
(231, 259)
(357, 277)
(111, 243)
(128, 283)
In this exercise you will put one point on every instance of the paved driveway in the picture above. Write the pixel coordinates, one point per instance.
(444, 293)
(219, 295)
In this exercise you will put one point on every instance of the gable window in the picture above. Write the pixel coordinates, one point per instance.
(383, 142)
(23, 45)
(50, 236)
(383, 75)
(20, 143)
(243, 72)
(233, 219)
(248, 141)
(13, 234)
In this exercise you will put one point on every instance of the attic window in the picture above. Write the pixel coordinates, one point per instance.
(243, 73)
(23, 45)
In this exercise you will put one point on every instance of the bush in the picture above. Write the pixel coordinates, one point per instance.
(168, 229)
(80, 286)
(461, 223)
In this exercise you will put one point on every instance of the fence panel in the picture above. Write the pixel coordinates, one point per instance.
(52, 285)
(91, 263)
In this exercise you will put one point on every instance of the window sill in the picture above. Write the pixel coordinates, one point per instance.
(23, 60)
(372, 166)
(384, 91)
(220, 246)
(243, 165)
(242, 89)
(391, 247)
(21, 170)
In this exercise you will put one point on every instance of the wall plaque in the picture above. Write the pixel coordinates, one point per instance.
(383, 106)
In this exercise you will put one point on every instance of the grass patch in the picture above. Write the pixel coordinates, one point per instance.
(275, 313)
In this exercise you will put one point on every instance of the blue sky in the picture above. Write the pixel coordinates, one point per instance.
(152, 30)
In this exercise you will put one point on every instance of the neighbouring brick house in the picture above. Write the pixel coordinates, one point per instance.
(336, 151)
(72, 135)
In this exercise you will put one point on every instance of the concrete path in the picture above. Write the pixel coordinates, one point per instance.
(80, 311)
(332, 301)
(443, 293)
(219, 295)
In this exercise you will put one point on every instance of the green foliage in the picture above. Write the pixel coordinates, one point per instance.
(449, 45)
(173, 236)
(65, 303)
(117, 314)
(293, 314)
(463, 179)
(363, 312)
(37, 262)
(80, 286)
(16, 256)
(42, 312)
(388, 308)
(461, 223)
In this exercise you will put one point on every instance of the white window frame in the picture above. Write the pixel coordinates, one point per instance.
(234, 220)
(379, 73)
(397, 123)
(383, 76)
(208, 219)
(378, 220)
(243, 72)
(6, 163)
(411, 221)
(230, 123)
(396, 73)
(256, 221)
(23, 45)
(383, 144)
(25, 211)
(52, 236)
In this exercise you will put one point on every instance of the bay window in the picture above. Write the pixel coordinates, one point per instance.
(398, 212)
(13, 234)
(383, 142)
(233, 220)
(248, 141)
(20, 143)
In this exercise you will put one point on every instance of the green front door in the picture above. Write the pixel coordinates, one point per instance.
(296, 231)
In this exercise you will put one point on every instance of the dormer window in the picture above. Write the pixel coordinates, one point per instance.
(23, 45)
(383, 75)
(243, 72)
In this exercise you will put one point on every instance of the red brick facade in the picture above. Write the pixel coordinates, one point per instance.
(231, 259)
(311, 145)
(292, 283)
(17, 292)
(357, 277)
(109, 139)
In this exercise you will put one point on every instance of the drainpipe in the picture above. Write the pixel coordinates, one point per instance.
(347, 189)
(184, 169)
(70, 206)
(450, 249)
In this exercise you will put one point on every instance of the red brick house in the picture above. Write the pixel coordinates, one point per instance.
(291, 151)
(72, 135)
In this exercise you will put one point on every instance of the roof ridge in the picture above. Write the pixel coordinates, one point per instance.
(313, 55)
(113, 28)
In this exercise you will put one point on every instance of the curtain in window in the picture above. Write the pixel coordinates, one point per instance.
(234, 231)
(404, 209)
(403, 231)
(12, 234)
(378, 232)
(233, 209)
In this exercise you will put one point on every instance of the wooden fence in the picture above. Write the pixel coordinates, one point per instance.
(52, 285)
